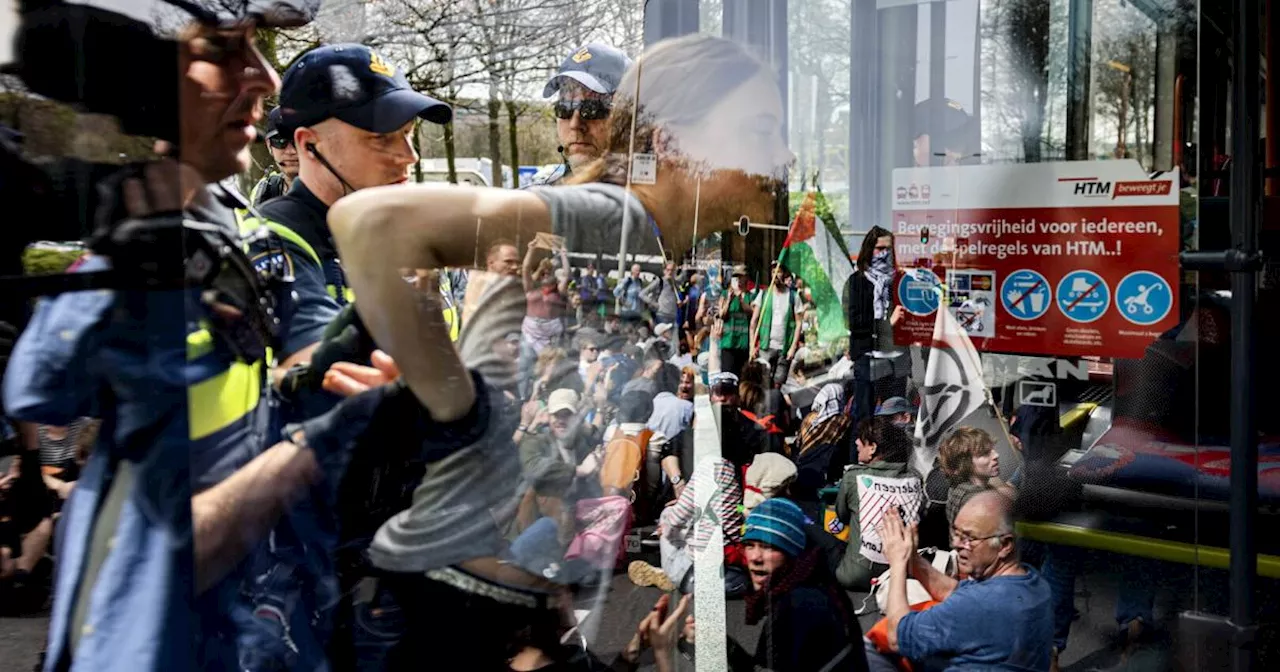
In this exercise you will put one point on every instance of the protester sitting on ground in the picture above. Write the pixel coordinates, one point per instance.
(774, 475)
(884, 451)
(900, 411)
(999, 617)
(819, 449)
(971, 462)
(557, 435)
(807, 620)
(26, 534)
(686, 531)
(769, 476)
(553, 370)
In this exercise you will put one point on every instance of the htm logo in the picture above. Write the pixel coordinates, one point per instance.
(1090, 187)
(1093, 188)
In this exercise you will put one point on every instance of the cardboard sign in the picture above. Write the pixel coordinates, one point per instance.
(548, 241)
(1071, 258)
(877, 495)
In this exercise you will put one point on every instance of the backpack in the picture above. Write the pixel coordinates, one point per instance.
(623, 462)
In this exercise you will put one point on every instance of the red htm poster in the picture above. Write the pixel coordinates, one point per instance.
(1068, 259)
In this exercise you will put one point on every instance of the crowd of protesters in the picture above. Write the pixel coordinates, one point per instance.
(480, 467)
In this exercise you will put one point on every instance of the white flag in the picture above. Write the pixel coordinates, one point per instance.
(953, 387)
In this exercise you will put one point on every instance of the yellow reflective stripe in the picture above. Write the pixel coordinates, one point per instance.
(349, 294)
(1143, 547)
(199, 344)
(455, 324)
(223, 399)
(248, 225)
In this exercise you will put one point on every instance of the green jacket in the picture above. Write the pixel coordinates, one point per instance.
(847, 507)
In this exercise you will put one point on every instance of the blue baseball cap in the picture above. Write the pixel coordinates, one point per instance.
(596, 66)
(352, 83)
(274, 125)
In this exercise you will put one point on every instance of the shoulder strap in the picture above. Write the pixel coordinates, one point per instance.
(248, 224)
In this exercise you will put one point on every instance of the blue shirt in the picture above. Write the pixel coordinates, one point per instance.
(628, 290)
(179, 413)
(1004, 623)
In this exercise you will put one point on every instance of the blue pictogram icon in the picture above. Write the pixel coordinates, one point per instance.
(1083, 296)
(918, 291)
(1025, 294)
(1144, 298)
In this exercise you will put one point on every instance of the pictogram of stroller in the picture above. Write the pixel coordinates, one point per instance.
(1139, 300)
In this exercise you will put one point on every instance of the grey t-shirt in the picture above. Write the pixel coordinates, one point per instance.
(466, 497)
(590, 218)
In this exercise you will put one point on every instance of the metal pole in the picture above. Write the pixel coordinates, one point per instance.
(1244, 206)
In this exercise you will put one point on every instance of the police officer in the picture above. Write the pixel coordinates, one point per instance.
(351, 117)
(586, 82)
(169, 350)
(285, 155)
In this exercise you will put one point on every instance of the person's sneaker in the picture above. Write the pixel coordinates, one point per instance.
(642, 573)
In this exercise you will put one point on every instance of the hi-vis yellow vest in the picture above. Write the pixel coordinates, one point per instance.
(452, 316)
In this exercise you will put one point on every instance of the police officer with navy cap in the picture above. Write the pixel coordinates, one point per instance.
(351, 116)
(284, 154)
(585, 82)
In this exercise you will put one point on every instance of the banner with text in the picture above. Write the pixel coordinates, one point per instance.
(1070, 258)
(877, 496)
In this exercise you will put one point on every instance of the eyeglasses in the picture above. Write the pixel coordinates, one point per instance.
(961, 540)
(279, 141)
(591, 109)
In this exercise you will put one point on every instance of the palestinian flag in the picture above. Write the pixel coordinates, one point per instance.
(815, 253)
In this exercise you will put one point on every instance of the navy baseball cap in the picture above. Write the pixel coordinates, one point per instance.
(351, 83)
(273, 124)
(896, 405)
(598, 67)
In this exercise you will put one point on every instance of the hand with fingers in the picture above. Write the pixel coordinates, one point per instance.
(899, 540)
(347, 379)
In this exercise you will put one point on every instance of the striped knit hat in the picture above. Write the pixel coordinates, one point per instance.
(779, 523)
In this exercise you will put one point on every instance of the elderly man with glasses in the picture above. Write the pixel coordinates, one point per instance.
(998, 617)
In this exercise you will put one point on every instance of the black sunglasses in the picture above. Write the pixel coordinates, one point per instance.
(279, 141)
(591, 109)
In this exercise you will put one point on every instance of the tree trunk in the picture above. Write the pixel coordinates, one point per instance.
(450, 153)
(495, 134)
(512, 116)
(1029, 42)
(417, 148)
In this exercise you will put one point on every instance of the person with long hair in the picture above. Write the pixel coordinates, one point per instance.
(880, 369)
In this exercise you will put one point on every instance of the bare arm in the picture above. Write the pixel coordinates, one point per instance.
(713, 351)
(564, 263)
(938, 585)
(381, 229)
(755, 321)
(526, 269)
(232, 516)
